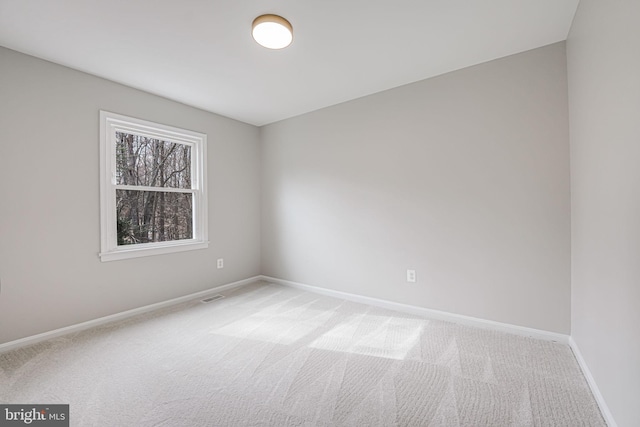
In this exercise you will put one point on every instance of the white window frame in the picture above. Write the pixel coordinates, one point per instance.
(110, 123)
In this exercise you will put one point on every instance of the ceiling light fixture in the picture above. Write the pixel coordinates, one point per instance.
(272, 31)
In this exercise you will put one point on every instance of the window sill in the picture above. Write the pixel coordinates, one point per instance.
(153, 249)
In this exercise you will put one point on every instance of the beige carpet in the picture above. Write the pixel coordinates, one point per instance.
(273, 356)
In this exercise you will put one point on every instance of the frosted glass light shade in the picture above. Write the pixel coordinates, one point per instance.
(272, 31)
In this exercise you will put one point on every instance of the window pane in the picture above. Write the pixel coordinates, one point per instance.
(153, 216)
(152, 162)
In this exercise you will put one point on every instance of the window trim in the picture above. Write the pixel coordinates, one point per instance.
(110, 123)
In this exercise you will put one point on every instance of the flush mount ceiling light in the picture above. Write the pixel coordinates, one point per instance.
(272, 31)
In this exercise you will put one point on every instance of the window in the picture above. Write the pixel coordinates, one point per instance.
(152, 188)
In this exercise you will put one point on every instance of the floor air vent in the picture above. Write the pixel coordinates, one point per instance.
(212, 298)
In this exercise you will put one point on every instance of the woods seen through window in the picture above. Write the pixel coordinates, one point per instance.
(152, 216)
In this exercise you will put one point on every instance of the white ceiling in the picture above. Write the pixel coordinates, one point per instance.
(200, 52)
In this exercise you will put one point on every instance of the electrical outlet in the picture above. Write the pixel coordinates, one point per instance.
(411, 276)
(220, 262)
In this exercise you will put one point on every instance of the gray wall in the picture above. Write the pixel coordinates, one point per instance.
(50, 273)
(463, 177)
(603, 52)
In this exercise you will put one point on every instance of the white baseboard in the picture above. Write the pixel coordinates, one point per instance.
(604, 409)
(23, 342)
(426, 312)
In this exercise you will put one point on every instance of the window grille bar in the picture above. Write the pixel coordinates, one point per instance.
(159, 189)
